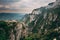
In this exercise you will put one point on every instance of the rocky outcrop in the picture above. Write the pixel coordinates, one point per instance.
(45, 22)
(54, 4)
(13, 29)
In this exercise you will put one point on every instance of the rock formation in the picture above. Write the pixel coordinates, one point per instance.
(45, 22)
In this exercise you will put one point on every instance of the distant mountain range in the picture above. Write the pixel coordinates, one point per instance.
(11, 16)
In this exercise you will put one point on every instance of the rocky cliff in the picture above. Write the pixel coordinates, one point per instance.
(11, 30)
(46, 22)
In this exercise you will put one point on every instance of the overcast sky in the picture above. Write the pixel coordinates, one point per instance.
(22, 6)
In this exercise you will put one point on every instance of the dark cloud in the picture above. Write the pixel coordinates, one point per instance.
(22, 5)
(8, 1)
(3, 8)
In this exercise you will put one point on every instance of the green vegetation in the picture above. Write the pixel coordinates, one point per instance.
(5, 29)
(48, 28)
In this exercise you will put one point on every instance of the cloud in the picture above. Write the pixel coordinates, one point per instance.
(22, 5)
(8, 1)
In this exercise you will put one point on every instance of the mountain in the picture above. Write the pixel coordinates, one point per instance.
(11, 16)
(44, 23)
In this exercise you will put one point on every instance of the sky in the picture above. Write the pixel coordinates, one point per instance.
(22, 6)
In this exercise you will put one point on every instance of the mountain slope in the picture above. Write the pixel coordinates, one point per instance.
(46, 24)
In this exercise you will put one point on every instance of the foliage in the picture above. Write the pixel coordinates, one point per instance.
(46, 29)
(5, 29)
